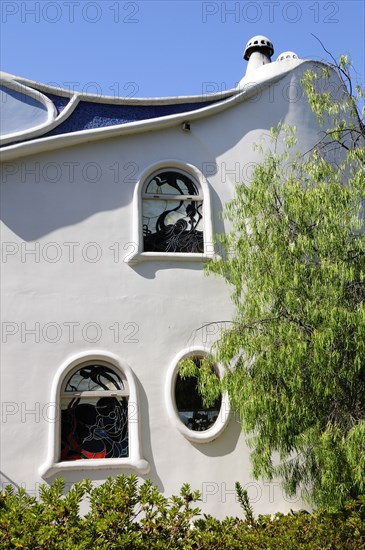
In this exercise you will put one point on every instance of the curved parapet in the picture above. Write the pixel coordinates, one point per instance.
(55, 118)
(24, 111)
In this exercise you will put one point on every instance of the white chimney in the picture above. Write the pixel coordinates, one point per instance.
(287, 55)
(258, 52)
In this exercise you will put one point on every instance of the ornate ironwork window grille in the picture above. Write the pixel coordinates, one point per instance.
(192, 412)
(172, 214)
(94, 414)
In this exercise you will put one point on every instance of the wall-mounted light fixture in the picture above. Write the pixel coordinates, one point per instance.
(186, 126)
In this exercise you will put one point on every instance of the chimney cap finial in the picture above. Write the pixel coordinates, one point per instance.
(258, 43)
(287, 55)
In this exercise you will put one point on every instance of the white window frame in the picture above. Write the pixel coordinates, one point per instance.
(53, 465)
(225, 411)
(135, 249)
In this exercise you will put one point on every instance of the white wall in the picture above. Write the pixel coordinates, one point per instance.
(160, 304)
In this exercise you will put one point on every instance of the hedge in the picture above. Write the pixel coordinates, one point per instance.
(125, 514)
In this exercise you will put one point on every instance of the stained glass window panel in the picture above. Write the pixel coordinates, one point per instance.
(171, 226)
(94, 378)
(94, 428)
(171, 183)
(94, 414)
(172, 214)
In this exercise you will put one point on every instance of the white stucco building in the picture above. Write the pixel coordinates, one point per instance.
(109, 207)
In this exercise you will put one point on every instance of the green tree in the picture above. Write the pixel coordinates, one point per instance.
(295, 259)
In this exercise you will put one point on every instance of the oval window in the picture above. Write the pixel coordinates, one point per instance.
(189, 403)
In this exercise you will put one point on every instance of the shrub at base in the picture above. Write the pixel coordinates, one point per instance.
(126, 515)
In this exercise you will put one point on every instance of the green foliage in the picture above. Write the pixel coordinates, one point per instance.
(338, 107)
(125, 515)
(122, 514)
(340, 530)
(244, 501)
(208, 382)
(295, 260)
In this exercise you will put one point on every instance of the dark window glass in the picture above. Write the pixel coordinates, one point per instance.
(94, 415)
(190, 406)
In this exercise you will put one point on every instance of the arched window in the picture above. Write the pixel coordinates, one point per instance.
(172, 213)
(95, 423)
(172, 217)
(94, 414)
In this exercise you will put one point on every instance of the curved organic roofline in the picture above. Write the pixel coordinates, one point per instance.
(115, 100)
(247, 88)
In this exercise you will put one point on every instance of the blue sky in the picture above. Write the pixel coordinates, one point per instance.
(160, 48)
